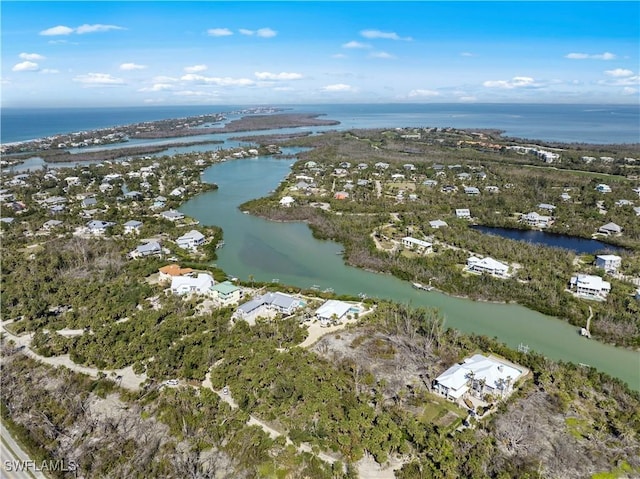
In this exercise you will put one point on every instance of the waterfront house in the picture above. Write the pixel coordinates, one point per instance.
(487, 265)
(201, 284)
(437, 224)
(589, 287)
(287, 201)
(190, 240)
(151, 248)
(98, 227)
(536, 220)
(132, 226)
(463, 213)
(226, 293)
(478, 375)
(610, 229)
(172, 215)
(166, 273)
(267, 305)
(608, 262)
(602, 188)
(332, 310)
(419, 245)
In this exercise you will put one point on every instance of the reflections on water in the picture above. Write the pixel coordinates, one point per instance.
(573, 243)
(287, 251)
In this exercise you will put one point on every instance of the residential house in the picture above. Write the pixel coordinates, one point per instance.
(381, 165)
(547, 207)
(132, 226)
(166, 273)
(430, 183)
(417, 244)
(492, 189)
(332, 310)
(88, 202)
(397, 177)
(49, 225)
(536, 220)
(72, 181)
(488, 265)
(190, 240)
(98, 227)
(152, 248)
(636, 210)
(609, 262)
(624, 203)
(565, 196)
(437, 224)
(133, 195)
(478, 375)
(409, 167)
(287, 201)
(341, 195)
(471, 191)
(636, 190)
(177, 191)
(267, 305)
(226, 293)
(201, 284)
(610, 229)
(172, 215)
(463, 213)
(362, 166)
(590, 287)
(602, 188)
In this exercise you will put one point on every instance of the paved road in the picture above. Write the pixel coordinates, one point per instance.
(10, 455)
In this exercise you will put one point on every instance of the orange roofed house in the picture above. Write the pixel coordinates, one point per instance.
(171, 271)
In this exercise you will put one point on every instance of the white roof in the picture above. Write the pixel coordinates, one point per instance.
(491, 370)
(193, 234)
(609, 257)
(590, 282)
(416, 241)
(490, 263)
(437, 223)
(200, 283)
(331, 307)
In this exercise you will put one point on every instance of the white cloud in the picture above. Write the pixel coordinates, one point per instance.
(629, 91)
(591, 56)
(354, 44)
(164, 79)
(220, 81)
(158, 87)
(98, 79)
(338, 87)
(266, 33)
(515, 82)
(384, 55)
(261, 32)
(423, 93)
(339, 55)
(59, 30)
(278, 76)
(195, 68)
(385, 35)
(192, 93)
(467, 99)
(31, 56)
(26, 67)
(82, 29)
(283, 88)
(619, 72)
(219, 32)
(49, 71)
(467, 54)
(98, 27)
(132, 66)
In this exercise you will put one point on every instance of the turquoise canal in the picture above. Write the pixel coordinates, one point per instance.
(267, 250)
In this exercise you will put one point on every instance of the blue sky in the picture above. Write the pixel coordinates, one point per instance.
(179, 53)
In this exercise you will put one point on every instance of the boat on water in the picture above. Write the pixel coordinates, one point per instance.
(422, 286)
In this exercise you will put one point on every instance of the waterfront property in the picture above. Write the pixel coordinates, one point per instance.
(152, 248)
(609, 262)
(610, 229)
(201, 284)
(478, 376)
(590, 287)
(536, 220)
(267, 305)
(487, 265)
(190, 240)
(420, 246)
(167, 273)
(226, 293)
(172, 215)
(287, 201)
(332, 311)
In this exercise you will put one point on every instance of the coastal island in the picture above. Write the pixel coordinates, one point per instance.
(181, 367)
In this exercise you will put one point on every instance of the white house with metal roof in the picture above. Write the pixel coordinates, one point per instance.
(417, 244)
(226, 293)
(267, 305)
(608, 262)
(477, 375)
(332, 310)
(190, 240)
(201, 284)
(590, 287)
(488, 265)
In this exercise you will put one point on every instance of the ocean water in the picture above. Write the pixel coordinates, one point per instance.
(563, 123)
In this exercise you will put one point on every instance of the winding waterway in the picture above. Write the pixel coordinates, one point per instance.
(267, 250)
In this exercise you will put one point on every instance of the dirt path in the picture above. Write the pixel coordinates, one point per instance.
(124, 377)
